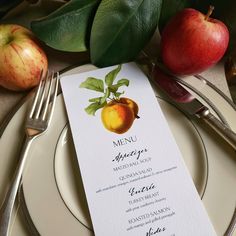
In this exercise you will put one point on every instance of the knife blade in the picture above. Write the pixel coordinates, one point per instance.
(230, 73)
(187, 102)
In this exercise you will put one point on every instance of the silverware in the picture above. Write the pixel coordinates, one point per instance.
(149, 64)
(37, 123)
(189, 104)
(230, 73)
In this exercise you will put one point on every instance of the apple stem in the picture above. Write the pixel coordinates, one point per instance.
(210, 10)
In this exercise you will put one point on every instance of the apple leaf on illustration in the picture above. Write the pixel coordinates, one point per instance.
(123, 82)
(110, 77)
(7, 5)
(95, 99)
(101, 100)
(93, 84)
(93, 107)
(118, 94)
(110, 92)
(67, 28)
(120, 83)
(121, 29)
(106, 95)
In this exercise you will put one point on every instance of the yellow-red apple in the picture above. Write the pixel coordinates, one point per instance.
(21, 58)
(118, 115)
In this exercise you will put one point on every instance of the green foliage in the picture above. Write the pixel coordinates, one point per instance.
(115, 31)
(93, 107)
(67, 28)
(109, 79)
(121, 29)
(121, 82)
(110, 92)
(93, 84)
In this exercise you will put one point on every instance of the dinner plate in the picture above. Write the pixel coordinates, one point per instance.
(52, 185)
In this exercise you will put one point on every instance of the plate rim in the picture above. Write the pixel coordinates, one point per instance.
(5, 122)
(66, 127)
(185, 115)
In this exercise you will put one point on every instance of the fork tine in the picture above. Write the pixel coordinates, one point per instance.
(54, 97)
(36, 96)
(48, 110)
(44, 112)
(39, 107)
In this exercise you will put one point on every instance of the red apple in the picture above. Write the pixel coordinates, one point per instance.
(192, 42)
(21, 58)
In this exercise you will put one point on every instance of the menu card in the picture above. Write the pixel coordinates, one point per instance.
(135, 180)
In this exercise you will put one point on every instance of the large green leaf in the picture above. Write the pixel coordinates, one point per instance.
(170, 8)
(67, 28)
(7, 5)
(121, 29)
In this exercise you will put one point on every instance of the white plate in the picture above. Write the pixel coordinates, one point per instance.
(52, 185)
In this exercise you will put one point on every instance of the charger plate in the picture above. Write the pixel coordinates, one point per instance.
(52, 186)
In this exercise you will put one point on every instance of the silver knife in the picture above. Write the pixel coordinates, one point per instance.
(230, 73)
(190, 104)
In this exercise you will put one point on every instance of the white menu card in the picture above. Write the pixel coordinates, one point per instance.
(135, 180)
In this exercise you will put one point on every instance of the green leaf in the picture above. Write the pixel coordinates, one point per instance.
(95, 99)
(123, 81)
(93, 107)
(118, 94)
(170, 8)
(110, 77)
(120, 83)
(106, 95)
(68, 27)
(7, 5)
(121, 29)
(93, 84)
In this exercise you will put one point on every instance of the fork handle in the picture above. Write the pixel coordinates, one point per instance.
(8, 203)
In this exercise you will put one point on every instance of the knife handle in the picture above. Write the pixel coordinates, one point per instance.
(226, 133)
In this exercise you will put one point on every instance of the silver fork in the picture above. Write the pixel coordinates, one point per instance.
(37, 123)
